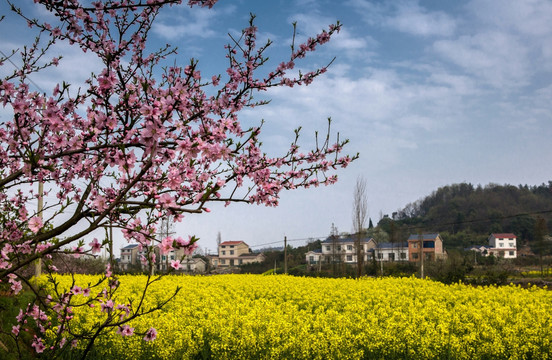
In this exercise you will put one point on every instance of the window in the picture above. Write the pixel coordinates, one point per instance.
(391, 256)
(224, 253)
(403, 255)
(511, 253)
(349, 257)
(222, 261)
(223, 246)
(429, 244)
(164, 257)
(311, 259)
(172, 257)
(231, 246)
(349, 247)
(380, 256)
(501, 244)
(338, 247)
(328, 248)
(511, 245)
(231, 252)
(231, 262)
(415, 245)
(240, 261)
(414, 256)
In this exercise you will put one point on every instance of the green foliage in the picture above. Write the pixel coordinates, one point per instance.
(465, 215)
(452, 270)
(9, 309)
(497, 274)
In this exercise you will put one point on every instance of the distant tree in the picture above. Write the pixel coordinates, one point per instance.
(219, 239)
(380, 236)
(360, 212)
(541, 232)
(335, 257)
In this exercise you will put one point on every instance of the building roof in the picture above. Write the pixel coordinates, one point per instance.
(432, 236)
(476, 247)
(129, 246)
(388, 245)
(347, 239)
(251, 255)
(504, 235)
(232, 242)
(316, 251)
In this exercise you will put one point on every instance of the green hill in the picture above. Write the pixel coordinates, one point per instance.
(465, 214)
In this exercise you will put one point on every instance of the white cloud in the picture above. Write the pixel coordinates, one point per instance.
(528, 20)
(185, 23)
(344, 43)
(406, 16)
(413, 19)
(529, 17)
(496, 58)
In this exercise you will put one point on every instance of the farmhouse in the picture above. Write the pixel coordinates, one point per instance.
(430, 246)
(234, 253)
(342, 249)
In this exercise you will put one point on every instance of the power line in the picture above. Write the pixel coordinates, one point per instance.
(18, 68)
(472, 221)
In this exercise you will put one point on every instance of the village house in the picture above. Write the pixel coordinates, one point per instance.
(234, 253)
(500, 245)
(430, 246)
(391, 251)
(503, 245)
(129, 257)
(343, 249)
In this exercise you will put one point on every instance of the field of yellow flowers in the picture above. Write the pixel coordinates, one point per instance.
(285, 317)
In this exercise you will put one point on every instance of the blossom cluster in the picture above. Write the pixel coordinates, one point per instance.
(138, 143)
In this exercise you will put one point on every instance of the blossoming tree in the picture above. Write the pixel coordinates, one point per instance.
(139, 143)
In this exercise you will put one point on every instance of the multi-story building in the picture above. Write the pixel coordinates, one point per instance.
(503, 245)
(391, 251)
(131, 260)
(234, 253)
(343, 249)
(430, 246)
(129, 256)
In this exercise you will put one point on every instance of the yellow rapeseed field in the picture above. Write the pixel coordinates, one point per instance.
(285, 317)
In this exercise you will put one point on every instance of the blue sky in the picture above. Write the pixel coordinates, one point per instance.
(429, 93)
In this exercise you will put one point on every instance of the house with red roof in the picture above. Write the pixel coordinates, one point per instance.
(503, 245)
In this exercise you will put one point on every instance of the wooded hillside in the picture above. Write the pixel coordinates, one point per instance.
(465, 214)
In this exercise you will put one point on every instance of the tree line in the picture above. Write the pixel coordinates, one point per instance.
(465, 214)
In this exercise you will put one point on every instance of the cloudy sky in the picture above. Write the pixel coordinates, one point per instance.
(430, 93)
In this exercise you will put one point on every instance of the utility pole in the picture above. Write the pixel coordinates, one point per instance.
(38, 263)
(285, 255)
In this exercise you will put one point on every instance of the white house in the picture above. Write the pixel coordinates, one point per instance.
(129, 256)
(503, 245)
(343, 249)
(391, 251)
(314, 256)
